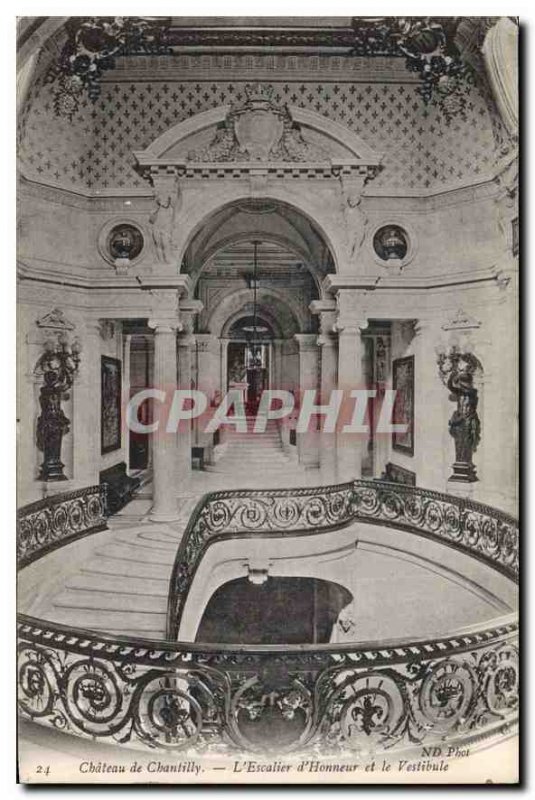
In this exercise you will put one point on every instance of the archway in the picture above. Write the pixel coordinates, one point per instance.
(249, 359)
(307, 162)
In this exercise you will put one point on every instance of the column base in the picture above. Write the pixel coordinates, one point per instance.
(163, 516)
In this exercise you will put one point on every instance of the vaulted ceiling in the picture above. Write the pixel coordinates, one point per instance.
(308, 62)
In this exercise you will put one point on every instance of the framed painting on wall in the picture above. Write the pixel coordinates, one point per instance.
(110, 404)
(403, 384)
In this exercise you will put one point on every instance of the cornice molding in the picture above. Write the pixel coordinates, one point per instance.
(412, 283)
(102, 200)
(326, 67)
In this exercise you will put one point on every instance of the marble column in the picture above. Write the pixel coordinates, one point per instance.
(328, 382)
(350, 446)
(127, 340)
(185, 342)
(223, 366)
(86, 408)
(307, 442)
(432, 410)
(164, 445)
(207, 381)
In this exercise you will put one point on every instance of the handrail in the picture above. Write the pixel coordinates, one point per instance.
(342, 697)
(396, 695)
(54, 521)
(474, 528)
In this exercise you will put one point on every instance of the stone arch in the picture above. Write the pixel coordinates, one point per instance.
(236, 238)
(288, 320)
(175, 143)
(308, 164)
(270, 195)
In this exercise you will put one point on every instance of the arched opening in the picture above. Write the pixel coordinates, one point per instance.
(249, 359)
(289, 242)
(242, 612)
(263, 260)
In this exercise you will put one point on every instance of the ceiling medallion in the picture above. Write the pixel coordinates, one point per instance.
(427, 45)
(93, 45)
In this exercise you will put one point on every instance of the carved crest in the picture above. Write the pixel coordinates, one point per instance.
(461, 321)
(55, 320)
(258, 130)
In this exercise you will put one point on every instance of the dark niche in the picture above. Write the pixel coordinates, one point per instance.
(391, 243)
(125, 241)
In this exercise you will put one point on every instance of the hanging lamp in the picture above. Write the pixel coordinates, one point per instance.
(254, 359)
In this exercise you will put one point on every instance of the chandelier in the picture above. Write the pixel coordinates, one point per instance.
(254, 349)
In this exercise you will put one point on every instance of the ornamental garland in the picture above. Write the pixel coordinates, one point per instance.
(92, 47)
(426, 43)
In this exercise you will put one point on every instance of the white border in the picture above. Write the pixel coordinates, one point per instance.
(7, 299)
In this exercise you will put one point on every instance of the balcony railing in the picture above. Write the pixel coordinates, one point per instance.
(391, 696)
(474, 528)
(50, 523)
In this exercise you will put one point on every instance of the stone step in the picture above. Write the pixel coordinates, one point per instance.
(154, 546)
(103, 582)
(135, 601)
(130, 569)
(135, 555)
(108, 620)
(251, 452)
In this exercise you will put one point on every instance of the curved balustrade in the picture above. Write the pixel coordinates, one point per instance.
(339, 698)
(325, 699)
(54, 521)
(477, 529)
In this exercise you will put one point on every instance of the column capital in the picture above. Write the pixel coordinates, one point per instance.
(306, 341)
(191, 306)
(92, 327)
(420, 326)
(165, 325)
(327, 340)
(322, 306)
(350, 327)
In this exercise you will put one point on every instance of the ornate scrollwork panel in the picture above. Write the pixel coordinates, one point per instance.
(476, 529)
(47, 523)
(341, 700)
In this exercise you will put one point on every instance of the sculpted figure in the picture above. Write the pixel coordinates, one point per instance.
(464, 424)
(457, 371)
(57, 365)
(162, 220)
(355, 219)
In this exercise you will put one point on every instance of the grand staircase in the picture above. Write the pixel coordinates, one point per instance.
(116, 581)
(249, 453)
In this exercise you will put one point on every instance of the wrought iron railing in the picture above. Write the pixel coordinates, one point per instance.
(329, 699)
(339, 698)
(477, 529)
(54, 521)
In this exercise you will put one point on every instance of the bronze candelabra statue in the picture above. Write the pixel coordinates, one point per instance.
(58, 366)
(457, 370)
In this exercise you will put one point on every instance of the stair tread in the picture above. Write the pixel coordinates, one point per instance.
(129, 552)
(102, 601)
(103, 582)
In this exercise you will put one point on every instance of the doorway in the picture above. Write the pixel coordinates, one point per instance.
(249, 361)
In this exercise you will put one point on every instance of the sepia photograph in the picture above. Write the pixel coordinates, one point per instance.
(267, 400)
